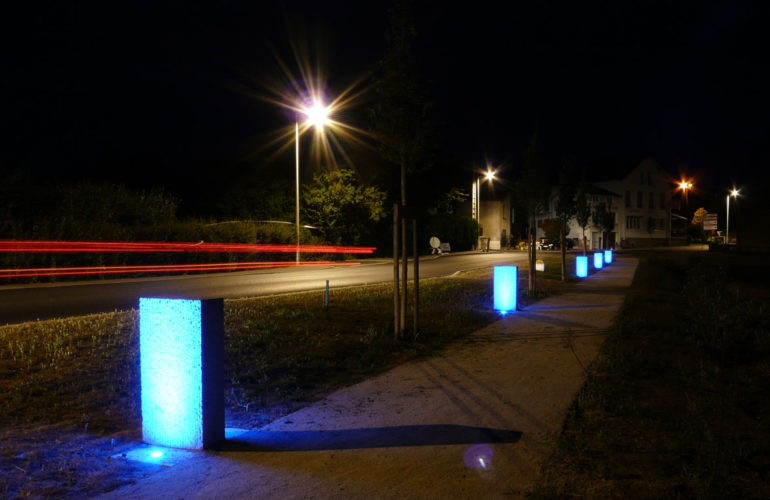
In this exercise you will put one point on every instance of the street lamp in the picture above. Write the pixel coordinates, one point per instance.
(734, 193)
(489, 176)
(318, 116)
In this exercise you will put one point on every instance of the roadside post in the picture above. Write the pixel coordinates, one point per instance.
(581, 266)
(506, 281)
(181, 348)
(598, 260)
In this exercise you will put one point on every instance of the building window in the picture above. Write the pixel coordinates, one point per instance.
(641, 178)
(639, 199)
(633, 222)
(649, 179)
(662, 200)
(652, 199)
(628, 199)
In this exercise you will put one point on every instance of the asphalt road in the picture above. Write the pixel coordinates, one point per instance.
(19, 303)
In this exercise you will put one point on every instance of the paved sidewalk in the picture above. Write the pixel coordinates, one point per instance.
(475, 421)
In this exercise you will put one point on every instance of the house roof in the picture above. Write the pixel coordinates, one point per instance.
(593, 189)
(613, 169)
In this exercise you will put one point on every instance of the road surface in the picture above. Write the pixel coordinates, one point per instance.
(19, 303)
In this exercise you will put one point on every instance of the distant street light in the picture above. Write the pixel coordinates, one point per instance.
(734, 193)
(317, 116)
(489, 176)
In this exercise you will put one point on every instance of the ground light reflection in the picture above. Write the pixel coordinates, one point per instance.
(478, 457)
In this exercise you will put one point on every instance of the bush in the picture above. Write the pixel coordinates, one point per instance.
(461, 232)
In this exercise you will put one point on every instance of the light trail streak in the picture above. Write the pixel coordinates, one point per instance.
(220, 266)
(25, 246)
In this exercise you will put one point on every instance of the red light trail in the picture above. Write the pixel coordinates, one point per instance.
(148, 246)
(220, 266)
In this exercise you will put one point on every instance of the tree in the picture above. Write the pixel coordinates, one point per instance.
(697, 217)
(532, 192)
(342, 208)
(565, 208)
(583, 211)
(400, 116)
(604, 218)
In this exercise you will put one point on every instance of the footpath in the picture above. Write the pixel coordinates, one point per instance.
(474, 421)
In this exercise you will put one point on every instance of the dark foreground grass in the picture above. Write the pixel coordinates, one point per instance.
(678, 405)
(69, 389)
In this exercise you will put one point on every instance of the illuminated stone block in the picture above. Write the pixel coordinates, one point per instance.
(181, 347)
(581, 266)
(506, 281)
(598, 260)
(608, 256)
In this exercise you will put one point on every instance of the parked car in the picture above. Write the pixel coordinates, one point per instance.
(546, 244)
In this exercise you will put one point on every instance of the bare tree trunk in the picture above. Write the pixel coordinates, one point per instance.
(532, 285)
(416, 278)
(404, 270)
(562, 242)
(396, 299)
(585, 243)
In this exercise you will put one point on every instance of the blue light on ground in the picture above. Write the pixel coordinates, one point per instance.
(505, 288)
(171, 372)
(581, 266)
(478, 457)
(608, 256)
(598, 260)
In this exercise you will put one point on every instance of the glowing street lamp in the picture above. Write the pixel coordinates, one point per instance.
(488, 176)
(318, 116)
(734, 193)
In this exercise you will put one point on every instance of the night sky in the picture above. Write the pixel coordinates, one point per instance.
(174, 83)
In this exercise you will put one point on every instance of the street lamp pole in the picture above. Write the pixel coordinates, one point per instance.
(734, 193)
(296, 150)
(317, 116)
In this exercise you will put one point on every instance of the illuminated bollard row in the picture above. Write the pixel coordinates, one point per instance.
(600, 260)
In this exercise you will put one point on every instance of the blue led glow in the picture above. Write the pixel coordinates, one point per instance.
(506, 287)
(608, 256)
(581, 266)
(156, 454)
(171, 372)
(598, 260)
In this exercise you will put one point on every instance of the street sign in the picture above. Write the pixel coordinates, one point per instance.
(710, 222)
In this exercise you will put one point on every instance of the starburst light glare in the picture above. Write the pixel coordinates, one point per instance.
(317, 114)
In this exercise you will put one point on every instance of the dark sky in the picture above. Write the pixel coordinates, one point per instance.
(684, 82)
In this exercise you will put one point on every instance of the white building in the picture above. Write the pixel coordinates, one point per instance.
(641, 200)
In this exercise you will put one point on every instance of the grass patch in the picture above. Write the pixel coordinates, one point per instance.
(677, 404)
(69, 388)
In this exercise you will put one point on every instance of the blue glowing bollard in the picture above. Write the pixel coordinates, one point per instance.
(506, 288)
(608, 256)
(581, 266)
(598, 260)
(181, 351)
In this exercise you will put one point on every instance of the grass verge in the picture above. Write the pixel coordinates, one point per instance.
(69, 388)
(677, 404)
